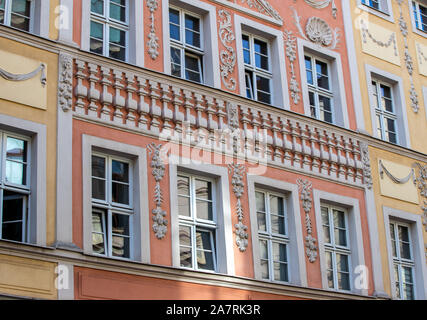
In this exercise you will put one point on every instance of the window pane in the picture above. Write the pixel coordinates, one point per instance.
(342, 263)
(117, 37)
(120, 230)
(98, 189)
(262, 224)
(96, 46)
(120, 171)
(276, 205)
(205, 260)
(120, 193)
(98, 167)
(403, 233)
(2, 3)
(343, 281)
(249, 86)
(247, 56)
(118, 10)
(176, 62)
(97, 6)
(174, 32)
(21, 7)
(117, 51)
(2, 14)
(325, 222)
(16, 172)
(192, 23)
(98, 233)
(120, 224)
(203, 190)
(12, 231)
(192, 63)
(328, 256)
(260, 201)
(174, 16)
(309, 70)
(16, 149)
(203, 240)
(174, 25)
(204, 210)
(192, 38)
(192, 35)
(184, 206)
(277, 224)
(261, 62)
(121, 247)
(183, 185)
(96, 30)
(263, 249)
(184, 236)
(264, 270)
(322, 75)
(279, 252)
(263, 89)
(185, 257)
(405, 251)
(280, 271)
(20, 22)
(13, 215)
(339, 219)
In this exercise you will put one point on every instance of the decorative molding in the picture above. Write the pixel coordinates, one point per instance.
(305, 187)
(421, 181)
(264, 7)
(408, 59)
(391, 40)
(366, 163)
(396, 180)
(421, 56)
(65, 82)
(318, 31)
(291, 53)
(153, 40)
(237, 171)
(322, 4)
(228, 57)
(158, 170)
(22, 77)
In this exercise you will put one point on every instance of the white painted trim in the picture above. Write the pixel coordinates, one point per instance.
(354, 71)
(280, 94)
(354, 232)
(416, 230)
(211, 69)
(224, 237)
(414, 28)
(399, 103)
(67, 292)
(65, 35)
(141, 218)
(37, 204)
(386, 14)
(42, 18)
(296, 255)
(337, 79)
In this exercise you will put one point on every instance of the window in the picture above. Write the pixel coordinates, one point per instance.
(373, 4)
(16, 13)
(272, 234)
(256, 56)
(14, 188)
(112, 210)
(403, 261)
(186, 45)
(197, 222)
(319, 88)
(109, 28)
(384, 111)
(337, 247)
(420, 16)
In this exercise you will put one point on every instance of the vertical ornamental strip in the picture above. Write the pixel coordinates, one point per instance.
(153, 40)
(158, 170)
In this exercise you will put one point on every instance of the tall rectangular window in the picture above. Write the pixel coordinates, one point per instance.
(258, 75)
(272, 234)
(17, 13)
(420, 15)
(197, 222)
(403, 260)
(109, 28)
(385, 112)
(112, 208)
(14, 187)
(186, 45)
(319, 88)
(337, 247)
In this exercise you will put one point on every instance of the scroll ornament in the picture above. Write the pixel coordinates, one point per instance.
(305, 187)
(158, 170)
(290, 44)
(321, 4)
(421, 181)
(23, 77)
(237, 171)
(228, 56)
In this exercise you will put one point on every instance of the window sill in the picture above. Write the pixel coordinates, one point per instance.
(381, 14)
(421, 33)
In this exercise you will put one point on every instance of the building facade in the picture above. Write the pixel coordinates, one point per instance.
(213, 149)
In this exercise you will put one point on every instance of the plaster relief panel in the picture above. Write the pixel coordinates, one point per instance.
(23, 80)
(422, 58)
(379, 42)
(397, 181)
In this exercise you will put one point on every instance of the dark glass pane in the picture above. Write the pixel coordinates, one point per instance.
(121, 247)
(391, 125)
(277, 224)
(96, 46)
(174, 32)
(339, 219)
(245, 42)
(263, 253)
(276, 205)
(192, 63)
(281, 272)
(98, 189)
(192, 23)
(117, 12)
(263, 84)
(324, 103)
(120, 171)
(342, 262)
(192, 38)
(192, 76)
(98, 233)
(322, 82)
(204, 210)
(328, 256)
(344, 281)
(98, 167)
(312, 98)
(176, 62)
(340, 237)
(118, 53)
(247, 56)
(12, 231)
(262, 226)
(385, 91)
(185, 257)
(21, 7)
(20, 22)
(97, 6)
(279, 252)
(205, 260)
(392, 137)
(261, 62)
(1, 15)
(174, 16)
(260, 47)
(405, 251)
(403, 233)
(12, 206)
(249, 86)
(120, 224)
(96, 30)
(325, 215)
(308, 63)
(120, 193)
(203, 240)
(117, 37)
(264, 97)
(264, 269)
(321, 68)
(327, 234)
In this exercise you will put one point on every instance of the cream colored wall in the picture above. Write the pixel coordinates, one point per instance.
(53, 31)
(46, 117)
(377, 57)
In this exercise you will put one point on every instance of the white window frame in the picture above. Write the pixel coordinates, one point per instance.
(401, 262)
(271, 237)
(416, 30)
(279, 83)
(334, 248)
(336, 78)
(209, 37)
(135, 49)
(383, 114)
(24, 190)
(316, 89)
(8, 15)
(140, 228)
(224, 231)
(107, 22)
(416, 233)
(187, 49)
(354, 236)
(295, 249)
(36, 135)
(385, 11)
(399, 100)
(266, 74)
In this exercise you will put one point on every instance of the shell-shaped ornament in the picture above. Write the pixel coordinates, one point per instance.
(318, 31)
